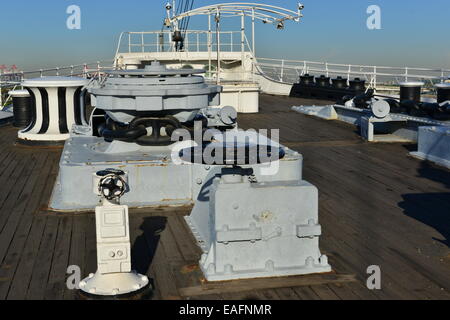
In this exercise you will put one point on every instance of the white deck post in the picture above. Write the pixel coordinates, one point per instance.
(375, 77)
(198, 42)
(253, 44)
(218, 44)
(349, 73)
(243, 44)
(209, 44)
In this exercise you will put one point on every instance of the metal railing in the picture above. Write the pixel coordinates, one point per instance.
(11, 81)
(282, 70)
(378, 77)
(194, 41)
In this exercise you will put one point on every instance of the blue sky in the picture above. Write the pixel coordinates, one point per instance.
(414, 33)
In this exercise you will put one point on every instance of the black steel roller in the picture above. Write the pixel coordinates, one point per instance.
(411, 91)
(357, 84)
(21, 108)
(307, 80)
(339, 82)
(322, 81)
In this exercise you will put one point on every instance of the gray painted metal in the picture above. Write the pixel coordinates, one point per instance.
(6, 117)
(156, 69)
(249, 228)
(390, 128)
(125, 93)
(434, 145)
(154, 178)
(261, 222)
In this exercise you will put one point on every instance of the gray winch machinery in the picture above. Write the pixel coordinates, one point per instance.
(252, 218)
(154, 102)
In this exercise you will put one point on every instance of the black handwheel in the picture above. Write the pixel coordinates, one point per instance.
(112, 186)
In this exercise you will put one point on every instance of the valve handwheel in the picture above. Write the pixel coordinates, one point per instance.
(112, 185)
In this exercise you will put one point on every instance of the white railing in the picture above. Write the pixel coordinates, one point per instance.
(10, 81)
(194, 41)
(288, 71)
(378, 77)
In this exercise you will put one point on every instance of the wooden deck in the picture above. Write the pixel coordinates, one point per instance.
(378, 206)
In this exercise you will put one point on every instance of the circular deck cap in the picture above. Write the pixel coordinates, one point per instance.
(445, 86)
(411, 84)
(381, 109)
(19, 93)
(55, 82)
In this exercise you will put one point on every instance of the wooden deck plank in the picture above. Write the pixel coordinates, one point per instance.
(358, 289)
(12, 174)
(90, 248)
(16, 228)
(388, 240)
(14, 205)
(41, 270)
(343, 291)
(77, 250)
(30, 229)
(169, 244)
(324, 292)
(154, 228)
(188, 249)
(24, 270)
(269, 283)
(287, 294)
(306, 293)
(56, 285)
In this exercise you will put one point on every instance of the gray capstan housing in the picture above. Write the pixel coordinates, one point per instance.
(126, 94)
(147, 106)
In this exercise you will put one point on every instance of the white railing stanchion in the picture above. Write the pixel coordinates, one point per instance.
(349, 72)
(375, 77)
(129, 42)
(198, 42)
